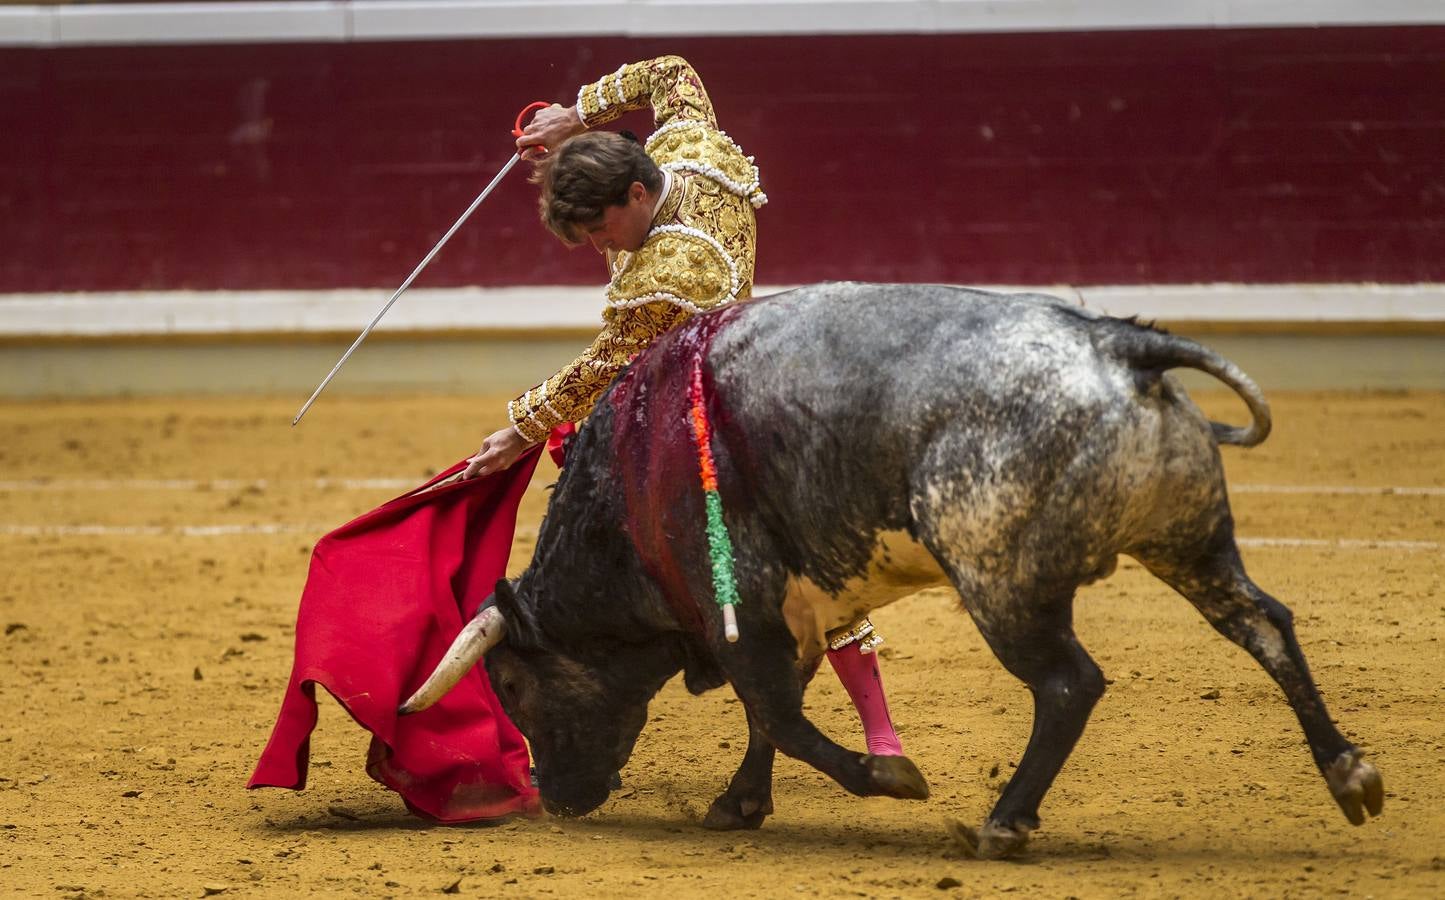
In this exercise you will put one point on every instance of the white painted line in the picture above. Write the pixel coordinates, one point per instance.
(275, 528)
(1269, 302)
(158, 530)
(193, 484)
(201, 23)
(247, 312)
(560, 307)
(398, 484)
(26, 26)
(385, 20)
(1338, 543)
(1335, 489)
(373, 20)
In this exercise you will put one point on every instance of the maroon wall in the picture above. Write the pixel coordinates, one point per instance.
(1089, 158)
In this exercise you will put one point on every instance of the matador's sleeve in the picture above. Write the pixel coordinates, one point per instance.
(678, 272)
(570, 395)
(667, 84)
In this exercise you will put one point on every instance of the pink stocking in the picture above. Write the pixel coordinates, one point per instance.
(860, 677)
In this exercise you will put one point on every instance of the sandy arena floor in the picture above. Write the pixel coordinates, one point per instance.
(142, 664)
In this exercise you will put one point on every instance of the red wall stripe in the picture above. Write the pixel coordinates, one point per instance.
(1272, 155)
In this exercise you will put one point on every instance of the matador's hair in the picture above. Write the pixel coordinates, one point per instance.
(587, 174)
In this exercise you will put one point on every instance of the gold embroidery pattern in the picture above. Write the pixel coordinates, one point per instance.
(861, 633)
(691, 146)
(667, 84)
(682, 263)
(703, 240)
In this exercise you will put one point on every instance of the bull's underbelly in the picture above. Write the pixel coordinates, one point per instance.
(899, 567)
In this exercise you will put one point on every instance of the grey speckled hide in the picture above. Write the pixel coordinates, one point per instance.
(872, 440)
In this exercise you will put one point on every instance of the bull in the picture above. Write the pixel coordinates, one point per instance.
(870, 441)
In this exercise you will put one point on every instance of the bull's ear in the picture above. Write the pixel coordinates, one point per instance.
(521, 623)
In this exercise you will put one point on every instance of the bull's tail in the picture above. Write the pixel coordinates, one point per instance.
(1145, 348)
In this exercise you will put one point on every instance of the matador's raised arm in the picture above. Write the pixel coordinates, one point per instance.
(668, 84)
(701, 259)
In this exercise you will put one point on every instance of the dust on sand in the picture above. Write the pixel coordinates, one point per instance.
(142, 665)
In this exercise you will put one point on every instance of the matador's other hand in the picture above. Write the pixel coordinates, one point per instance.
(550, 127)
(498, 452)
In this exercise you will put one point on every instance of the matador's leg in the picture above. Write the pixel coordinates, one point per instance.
(850, 652)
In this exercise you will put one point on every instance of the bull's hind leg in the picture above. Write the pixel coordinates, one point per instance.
(1031, 632)
(1213, 579)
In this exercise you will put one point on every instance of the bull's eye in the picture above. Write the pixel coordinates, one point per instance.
(503, 689)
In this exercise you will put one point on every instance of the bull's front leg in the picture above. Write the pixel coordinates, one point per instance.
(761, 668)
(748, 799)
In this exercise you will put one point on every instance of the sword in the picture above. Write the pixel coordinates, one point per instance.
(516, 132)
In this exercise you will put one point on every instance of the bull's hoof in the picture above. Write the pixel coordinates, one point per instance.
(728, 813)
(1356, 786)
(992, 841)
(897, 776)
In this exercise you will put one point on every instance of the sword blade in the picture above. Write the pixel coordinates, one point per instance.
(404, 285)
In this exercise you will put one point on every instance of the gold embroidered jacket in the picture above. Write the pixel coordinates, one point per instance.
(698, 255)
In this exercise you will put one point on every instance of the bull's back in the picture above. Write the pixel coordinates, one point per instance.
(851, 405)
(884, 368)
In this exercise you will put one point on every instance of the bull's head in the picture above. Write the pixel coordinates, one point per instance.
(581, 708)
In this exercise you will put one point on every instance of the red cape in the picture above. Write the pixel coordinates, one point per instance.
(385, 596)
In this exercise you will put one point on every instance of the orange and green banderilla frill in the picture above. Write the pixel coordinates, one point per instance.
(719, 542)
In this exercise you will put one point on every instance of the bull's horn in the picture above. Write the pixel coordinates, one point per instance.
(480, 635)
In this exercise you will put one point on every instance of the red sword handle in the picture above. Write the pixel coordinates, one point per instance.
(517, 128)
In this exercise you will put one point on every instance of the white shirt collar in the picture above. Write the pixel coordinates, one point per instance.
(662, 197)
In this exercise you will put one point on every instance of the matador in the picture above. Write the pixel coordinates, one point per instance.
(675, 219)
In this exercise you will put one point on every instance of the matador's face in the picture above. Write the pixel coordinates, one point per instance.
(624, 226)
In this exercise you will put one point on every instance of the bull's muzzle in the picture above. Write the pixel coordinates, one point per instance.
(481, 634)
(573, 801)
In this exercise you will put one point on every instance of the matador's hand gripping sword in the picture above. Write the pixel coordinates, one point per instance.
(516, 132)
